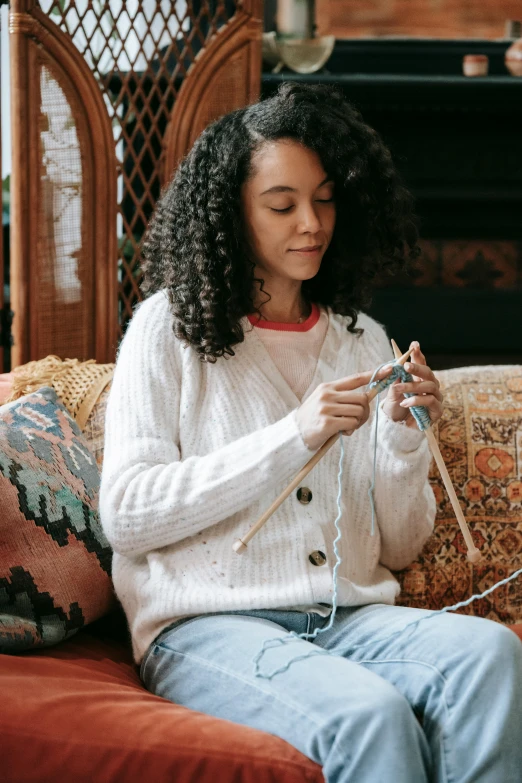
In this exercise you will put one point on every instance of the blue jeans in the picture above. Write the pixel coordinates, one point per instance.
(441, 701)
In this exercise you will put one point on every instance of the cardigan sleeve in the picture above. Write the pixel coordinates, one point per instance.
(404, 501)
(149, 497)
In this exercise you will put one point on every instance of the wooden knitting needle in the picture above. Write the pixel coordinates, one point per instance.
(473, 552)
(240, 545)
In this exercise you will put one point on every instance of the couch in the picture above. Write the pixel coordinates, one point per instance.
(76, 710)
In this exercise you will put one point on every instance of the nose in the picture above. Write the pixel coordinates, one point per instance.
(308, 220)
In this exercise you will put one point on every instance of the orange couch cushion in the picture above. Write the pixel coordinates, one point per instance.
(517, 629)
(78, 712)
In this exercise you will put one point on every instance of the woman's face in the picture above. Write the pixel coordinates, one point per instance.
(289, 211)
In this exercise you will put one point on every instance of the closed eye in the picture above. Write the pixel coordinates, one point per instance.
(287, 209)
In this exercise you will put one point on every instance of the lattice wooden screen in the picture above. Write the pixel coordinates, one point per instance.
(138, 53)
(3, 336)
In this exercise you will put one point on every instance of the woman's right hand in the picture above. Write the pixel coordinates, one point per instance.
(336, 406)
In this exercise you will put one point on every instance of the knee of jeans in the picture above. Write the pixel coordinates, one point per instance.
(508, 642)
(389, 707)
(498, 646)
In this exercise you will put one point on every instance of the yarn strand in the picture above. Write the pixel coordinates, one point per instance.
(422, 418)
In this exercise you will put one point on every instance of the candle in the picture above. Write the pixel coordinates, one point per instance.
(293, 18)
(475, 65)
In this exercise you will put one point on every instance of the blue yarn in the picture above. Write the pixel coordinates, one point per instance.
(420, 414)
(422, 418)
(292, 634)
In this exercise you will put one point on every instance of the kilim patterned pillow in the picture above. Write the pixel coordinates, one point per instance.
(54, 558)
(480, 438)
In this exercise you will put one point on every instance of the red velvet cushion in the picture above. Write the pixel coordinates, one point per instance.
(517, 629)
(78, 712)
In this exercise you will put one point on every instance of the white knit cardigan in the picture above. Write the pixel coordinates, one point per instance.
(195, 452)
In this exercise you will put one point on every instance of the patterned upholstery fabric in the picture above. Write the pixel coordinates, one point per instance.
(94, 430)
(54, 558)
(480, 438)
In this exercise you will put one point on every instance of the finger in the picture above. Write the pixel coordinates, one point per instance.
(421, 371)
(417, 355)
(358, 412)
(355, 411)
(424, 401)
(421, 387)
(346, 424)
(351, 398)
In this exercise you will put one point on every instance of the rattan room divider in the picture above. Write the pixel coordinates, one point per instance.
(3, 313)
(106, 97)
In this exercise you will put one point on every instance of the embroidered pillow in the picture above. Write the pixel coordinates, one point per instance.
(54, 558)
(480, 438)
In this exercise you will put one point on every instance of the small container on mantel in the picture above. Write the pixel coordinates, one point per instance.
(475, 65)
(513, 58)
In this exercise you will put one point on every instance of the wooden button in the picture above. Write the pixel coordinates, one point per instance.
(317, 558)
(304, 495)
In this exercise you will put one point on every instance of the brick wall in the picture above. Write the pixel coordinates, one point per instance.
(418, 18)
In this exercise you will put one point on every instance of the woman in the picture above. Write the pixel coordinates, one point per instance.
(250, 352)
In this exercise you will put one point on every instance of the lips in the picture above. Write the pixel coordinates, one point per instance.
(307, 249)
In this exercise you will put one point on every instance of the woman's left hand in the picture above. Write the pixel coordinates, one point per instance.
(425, 388)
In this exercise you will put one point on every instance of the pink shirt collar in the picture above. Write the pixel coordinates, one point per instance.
(282, 327)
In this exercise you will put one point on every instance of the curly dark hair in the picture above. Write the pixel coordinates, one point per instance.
(195, 246)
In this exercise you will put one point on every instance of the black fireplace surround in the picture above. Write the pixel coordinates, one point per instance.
(458, 144)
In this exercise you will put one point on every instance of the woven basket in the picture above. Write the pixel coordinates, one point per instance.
(78, 384)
